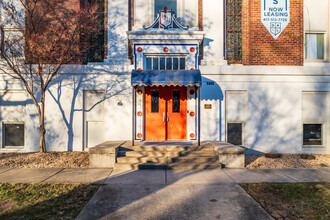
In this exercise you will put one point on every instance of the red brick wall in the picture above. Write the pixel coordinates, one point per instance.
(260, 48)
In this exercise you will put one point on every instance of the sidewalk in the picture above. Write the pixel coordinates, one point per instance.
(168, 194)
(109, 176)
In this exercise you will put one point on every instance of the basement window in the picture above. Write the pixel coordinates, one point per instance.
(312, 134)
(13, 135)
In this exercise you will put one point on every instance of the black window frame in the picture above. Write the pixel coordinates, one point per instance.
(4, 139)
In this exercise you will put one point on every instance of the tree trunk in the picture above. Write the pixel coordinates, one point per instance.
(42, 130)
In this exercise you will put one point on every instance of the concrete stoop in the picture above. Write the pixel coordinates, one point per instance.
(174, 157)
(124, 156)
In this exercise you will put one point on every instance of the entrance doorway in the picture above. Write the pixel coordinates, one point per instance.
(166, 113)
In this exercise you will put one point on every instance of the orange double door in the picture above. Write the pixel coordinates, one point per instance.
(166, 113)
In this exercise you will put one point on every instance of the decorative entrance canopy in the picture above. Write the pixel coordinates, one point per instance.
(166, 78)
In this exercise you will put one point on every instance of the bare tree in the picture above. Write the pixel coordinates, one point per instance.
(37, 38)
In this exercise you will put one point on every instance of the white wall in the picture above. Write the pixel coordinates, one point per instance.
(274, 110)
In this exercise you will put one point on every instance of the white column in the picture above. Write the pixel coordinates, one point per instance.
(213, 22)
(117, 37)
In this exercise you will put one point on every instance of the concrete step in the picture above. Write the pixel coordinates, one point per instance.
(188, 159)
(170, 166)
(142, 159)
(193, 166)
(140, 166)
(166, 153)
(167, 148)
(144, 148)
(144, 153)
(193, 159)
(189, 148)
(190, 153)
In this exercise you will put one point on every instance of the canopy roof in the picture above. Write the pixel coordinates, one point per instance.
(166, 78)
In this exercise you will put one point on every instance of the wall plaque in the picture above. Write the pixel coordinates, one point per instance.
(208, 106)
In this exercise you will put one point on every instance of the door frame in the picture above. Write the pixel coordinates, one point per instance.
(193, 106)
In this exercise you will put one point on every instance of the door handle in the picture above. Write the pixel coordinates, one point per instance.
(163, 116)
(167, 116)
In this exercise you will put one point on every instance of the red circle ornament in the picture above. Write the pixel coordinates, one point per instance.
(191, 92)
(139, 135)
(139, 49)
(192, 49)
(139, 113)
(139, 69)
(139, 92)
(192, 114)
(165, 49)
(192, 68)
(192, 135)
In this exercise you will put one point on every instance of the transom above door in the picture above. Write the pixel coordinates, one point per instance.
(165, 63)
(166, 113)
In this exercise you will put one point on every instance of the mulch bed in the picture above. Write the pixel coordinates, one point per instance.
(81, 160)
(287, 161)
(45, 160)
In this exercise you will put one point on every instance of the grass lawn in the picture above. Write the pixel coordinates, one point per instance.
(292, 200)
(43, 201)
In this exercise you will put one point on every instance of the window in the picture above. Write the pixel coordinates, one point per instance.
(312, 134)
(176, 101)
(12, 43)
(165, 63)
(155, 101)
(96, 39)
(233, 30)
(314, 46)
(13, 134)
(235, 133)
(160, 4)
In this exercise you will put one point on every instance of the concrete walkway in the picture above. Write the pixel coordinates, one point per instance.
(167, 194)
(109, 176)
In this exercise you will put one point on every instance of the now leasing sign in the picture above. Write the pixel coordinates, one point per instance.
(275, 15)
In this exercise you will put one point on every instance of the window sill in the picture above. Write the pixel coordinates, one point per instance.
(316, 61)
(313, 146)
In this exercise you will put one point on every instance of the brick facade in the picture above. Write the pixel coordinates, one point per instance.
(260, 48)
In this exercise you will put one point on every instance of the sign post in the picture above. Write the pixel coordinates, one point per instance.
(275, 15)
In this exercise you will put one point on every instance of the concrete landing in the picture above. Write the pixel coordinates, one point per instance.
(226, 201)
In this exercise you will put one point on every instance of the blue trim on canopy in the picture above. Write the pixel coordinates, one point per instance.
(166, 78)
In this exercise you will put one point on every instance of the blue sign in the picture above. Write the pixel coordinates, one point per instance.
(275, 16)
